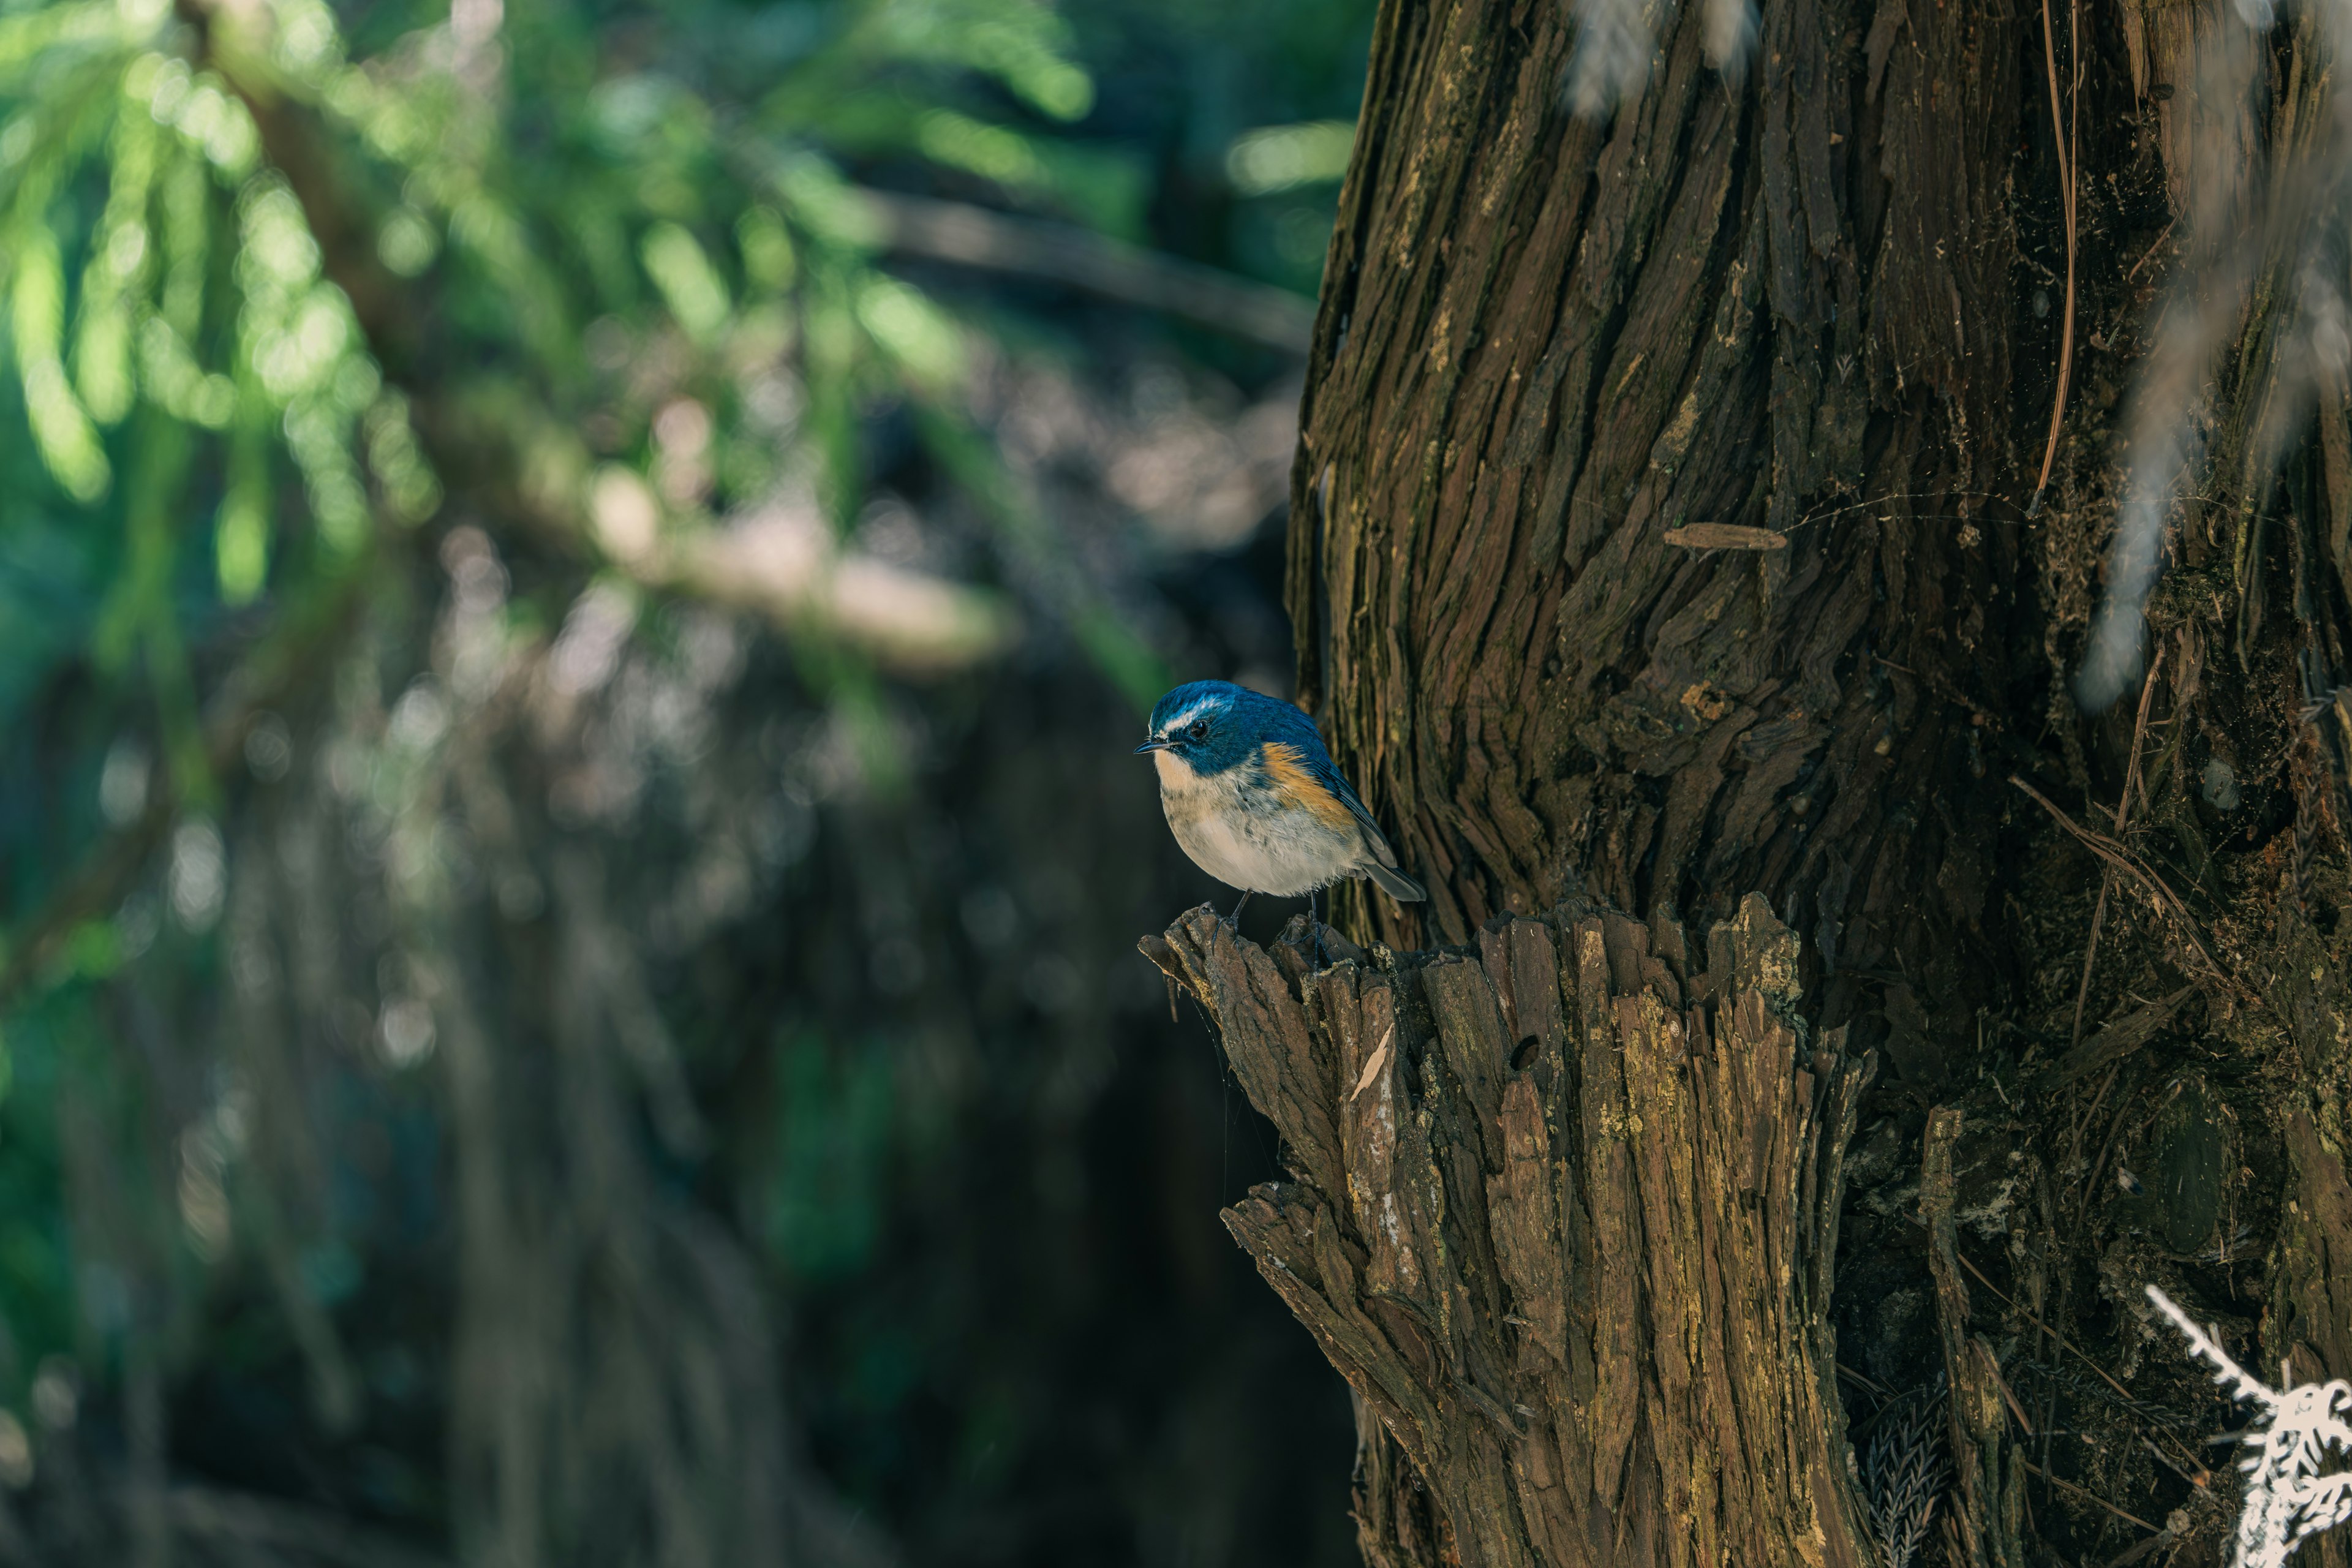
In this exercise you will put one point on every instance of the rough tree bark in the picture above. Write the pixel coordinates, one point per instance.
(1565, 1221)
(1546, 343)
(1660, 544)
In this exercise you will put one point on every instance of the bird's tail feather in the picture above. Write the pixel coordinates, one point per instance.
(1395, 884)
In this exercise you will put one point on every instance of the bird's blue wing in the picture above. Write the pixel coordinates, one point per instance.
(1325, 772)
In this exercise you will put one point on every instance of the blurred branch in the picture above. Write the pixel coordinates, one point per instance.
(974, 236)
(910, 622)
(496, 444)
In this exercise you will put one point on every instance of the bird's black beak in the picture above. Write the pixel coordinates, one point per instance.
(1152, 746)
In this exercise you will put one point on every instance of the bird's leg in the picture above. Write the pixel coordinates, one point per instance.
(1234, 920)
(1314, 920)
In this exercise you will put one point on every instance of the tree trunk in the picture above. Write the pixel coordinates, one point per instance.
(1548, 341)
(1668, 537)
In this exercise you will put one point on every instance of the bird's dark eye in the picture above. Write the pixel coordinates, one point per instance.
(1199, 730)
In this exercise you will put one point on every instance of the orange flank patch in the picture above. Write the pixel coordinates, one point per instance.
(1286, 765)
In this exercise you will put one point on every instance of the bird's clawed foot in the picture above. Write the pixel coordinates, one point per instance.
(1323, 960)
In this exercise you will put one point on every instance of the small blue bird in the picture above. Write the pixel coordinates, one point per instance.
(1255, 799)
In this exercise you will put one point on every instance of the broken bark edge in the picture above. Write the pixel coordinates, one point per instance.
(1563, 1215)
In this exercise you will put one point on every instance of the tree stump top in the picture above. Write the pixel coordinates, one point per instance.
(1563, 1215)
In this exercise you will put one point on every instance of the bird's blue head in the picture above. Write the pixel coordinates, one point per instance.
(1213, 725)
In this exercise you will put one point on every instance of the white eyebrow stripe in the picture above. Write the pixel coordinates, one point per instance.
(1186, 716)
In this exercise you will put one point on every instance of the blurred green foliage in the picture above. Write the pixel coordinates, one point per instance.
(293, 290)
(835, 1129)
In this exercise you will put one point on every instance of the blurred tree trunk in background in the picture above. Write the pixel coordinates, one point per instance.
(1660, 538)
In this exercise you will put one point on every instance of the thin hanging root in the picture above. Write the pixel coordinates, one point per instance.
(2068, 146)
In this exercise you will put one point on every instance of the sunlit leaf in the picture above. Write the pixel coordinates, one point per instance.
(689, 285)
(767, 249)
(62, 428)
(920, 339)
(407, 242)
(1279, 157)
(241, 532)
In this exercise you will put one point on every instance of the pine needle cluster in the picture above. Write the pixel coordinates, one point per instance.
(1904, 1475)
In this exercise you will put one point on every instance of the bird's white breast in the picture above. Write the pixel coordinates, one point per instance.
(1241, 832)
